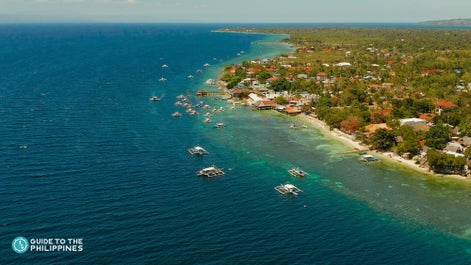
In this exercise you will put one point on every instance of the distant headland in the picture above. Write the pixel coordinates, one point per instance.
(449, 22)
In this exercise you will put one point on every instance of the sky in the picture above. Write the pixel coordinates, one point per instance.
(232, 11)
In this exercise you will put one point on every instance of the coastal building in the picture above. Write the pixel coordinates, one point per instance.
(254, 98)
(412, 121)
(292, 111)
(441, 105)
(265, 104)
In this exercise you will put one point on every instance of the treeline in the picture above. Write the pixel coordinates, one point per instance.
(392, 74)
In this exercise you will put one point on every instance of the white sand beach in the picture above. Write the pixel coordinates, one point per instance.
(357, 146)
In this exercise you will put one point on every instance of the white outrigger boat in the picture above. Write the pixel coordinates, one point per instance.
(154, 98)
(211, 172)
(297, 172)
(220, 125)
(197, 150)
(298, 126)
(369, 158)
(288, 189)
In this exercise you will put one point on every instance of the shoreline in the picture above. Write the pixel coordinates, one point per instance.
(357, 146)
(346, 139)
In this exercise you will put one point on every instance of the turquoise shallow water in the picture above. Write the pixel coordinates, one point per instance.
(86, 155)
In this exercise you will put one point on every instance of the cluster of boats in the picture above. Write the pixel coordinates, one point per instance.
(288, 188)
(209, 172)
(214, 171)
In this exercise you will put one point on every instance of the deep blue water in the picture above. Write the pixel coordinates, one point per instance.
(85, 154)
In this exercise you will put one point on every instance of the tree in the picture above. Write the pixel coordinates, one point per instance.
(382, 139)
(281, 100)
(280, 84)
(438, 136)
(411, 140)
(467, 152)
(351, 124)
(445, 163)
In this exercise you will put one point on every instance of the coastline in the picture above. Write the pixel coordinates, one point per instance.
(357, 146)
(346, 139)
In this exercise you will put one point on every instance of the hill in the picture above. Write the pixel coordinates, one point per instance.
(450, 22)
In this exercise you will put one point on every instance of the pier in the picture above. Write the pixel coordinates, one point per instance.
(204, 93)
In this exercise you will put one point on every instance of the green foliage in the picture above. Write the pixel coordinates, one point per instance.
(233, 81)
(410, 140)
(281, 84)
(438, 136)
(444, 163)
(382, 139)
(263, 76)
(281, 100)
(409, 108)
(467, 152)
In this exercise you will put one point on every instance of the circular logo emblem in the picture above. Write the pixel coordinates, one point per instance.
(20, 244)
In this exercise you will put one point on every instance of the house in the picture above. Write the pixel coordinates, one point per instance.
(428, 117)
(239, 93)
(453, 148)
(321, 76)
(302, 76)
(441, 105)
(412, 121)
(202, 92)
(466, 141)
(293, 110)
(254, 98)
(265, 104)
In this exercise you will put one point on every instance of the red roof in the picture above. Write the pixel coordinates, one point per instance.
(427, 116)
(446, 104)
(292, 110)
(254, 70)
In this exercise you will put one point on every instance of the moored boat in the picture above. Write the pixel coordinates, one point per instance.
(297, 172)
(219, 125)
(297, 126)
(288, 189)
(210, 172)
(176, 114)
(154, 98)
(197, 150)
(369, 158)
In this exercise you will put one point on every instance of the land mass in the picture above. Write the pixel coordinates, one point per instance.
(449, 22)
(404, 92)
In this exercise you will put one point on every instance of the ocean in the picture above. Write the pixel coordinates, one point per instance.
(93, 172)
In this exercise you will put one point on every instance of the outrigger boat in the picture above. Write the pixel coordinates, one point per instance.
(298, 126)
(297, 172)
(154, 98)
(211, 172)
(369, 158)
(288, 189)
(197, 150)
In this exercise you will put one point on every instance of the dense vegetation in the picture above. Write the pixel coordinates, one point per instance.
(364, 76)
